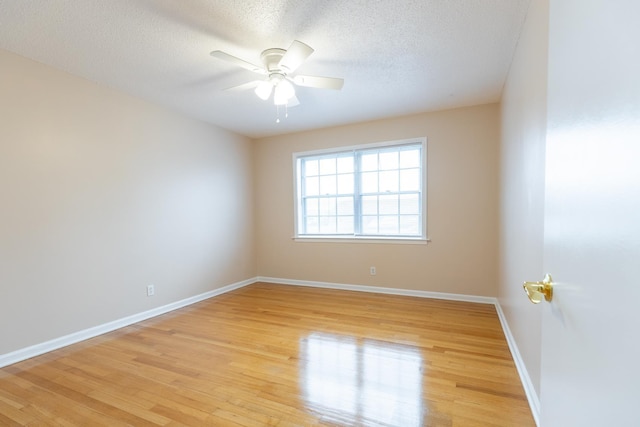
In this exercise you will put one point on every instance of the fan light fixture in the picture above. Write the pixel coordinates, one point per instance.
(283, 92)
(279, 65)
(263, 90)
(282, 89)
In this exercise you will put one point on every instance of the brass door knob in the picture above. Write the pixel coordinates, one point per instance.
(536, 290)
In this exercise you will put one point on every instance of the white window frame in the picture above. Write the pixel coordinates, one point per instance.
(297, 196)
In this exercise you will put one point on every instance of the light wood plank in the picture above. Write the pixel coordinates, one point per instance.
(275, 355)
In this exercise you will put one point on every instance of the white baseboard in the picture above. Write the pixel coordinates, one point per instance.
(532, 396)
(380, 290)
(54, 344)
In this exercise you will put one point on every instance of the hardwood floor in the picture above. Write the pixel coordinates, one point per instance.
(275, 355)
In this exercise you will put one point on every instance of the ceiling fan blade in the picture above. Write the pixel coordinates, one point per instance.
(295, 56)
(319, 82)
(237, 61)
(293, 102)
(244, 86)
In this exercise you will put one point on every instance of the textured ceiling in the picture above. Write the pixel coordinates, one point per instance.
(397, 56)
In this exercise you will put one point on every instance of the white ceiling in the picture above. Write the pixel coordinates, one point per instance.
(397, 57)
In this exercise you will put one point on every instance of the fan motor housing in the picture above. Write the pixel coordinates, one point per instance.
(271, 59)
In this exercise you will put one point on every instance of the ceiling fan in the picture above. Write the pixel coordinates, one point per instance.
(278, 65)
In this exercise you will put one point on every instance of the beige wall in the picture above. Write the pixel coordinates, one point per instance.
(103, 194)
(522, 185)
(462, 150)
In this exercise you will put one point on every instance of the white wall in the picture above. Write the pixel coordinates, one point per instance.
(102, 194)
(523, 127)
(462, 191)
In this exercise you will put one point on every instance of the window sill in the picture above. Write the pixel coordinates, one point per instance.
(384, 240)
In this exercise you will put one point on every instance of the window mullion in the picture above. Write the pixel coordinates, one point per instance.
(379, 192)
(303, 195)
(357, 195)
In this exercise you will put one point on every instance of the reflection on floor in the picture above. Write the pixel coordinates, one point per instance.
(356, 381)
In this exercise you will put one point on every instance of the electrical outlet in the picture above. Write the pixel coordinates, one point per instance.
(151, 290)
(372, 271)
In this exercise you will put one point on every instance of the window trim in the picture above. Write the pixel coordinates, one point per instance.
(297, 194)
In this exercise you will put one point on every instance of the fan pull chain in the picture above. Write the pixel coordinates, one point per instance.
(286, 112)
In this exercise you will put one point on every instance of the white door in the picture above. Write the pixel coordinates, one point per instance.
(591, 329)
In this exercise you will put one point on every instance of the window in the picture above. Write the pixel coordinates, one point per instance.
(373, 191)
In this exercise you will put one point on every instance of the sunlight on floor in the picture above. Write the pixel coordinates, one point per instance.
(361, 380)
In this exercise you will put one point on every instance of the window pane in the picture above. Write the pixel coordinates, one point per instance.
(389, 225)
(410, 224)
(369, 162)
(345, 164)
(345, 184)
(312, 207)
(328, 225)
(312, 225)
(328, 185)
(389, 181)
(389, 160)
(369, 205)
(409, 204)
(369, 182)
(312, 187)
(410, 180)
(389, 205)
(328, 206)
(369, 224)
(328, 166)
(410, 159)
(345, 225)
(311, 167)
(345, 206)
